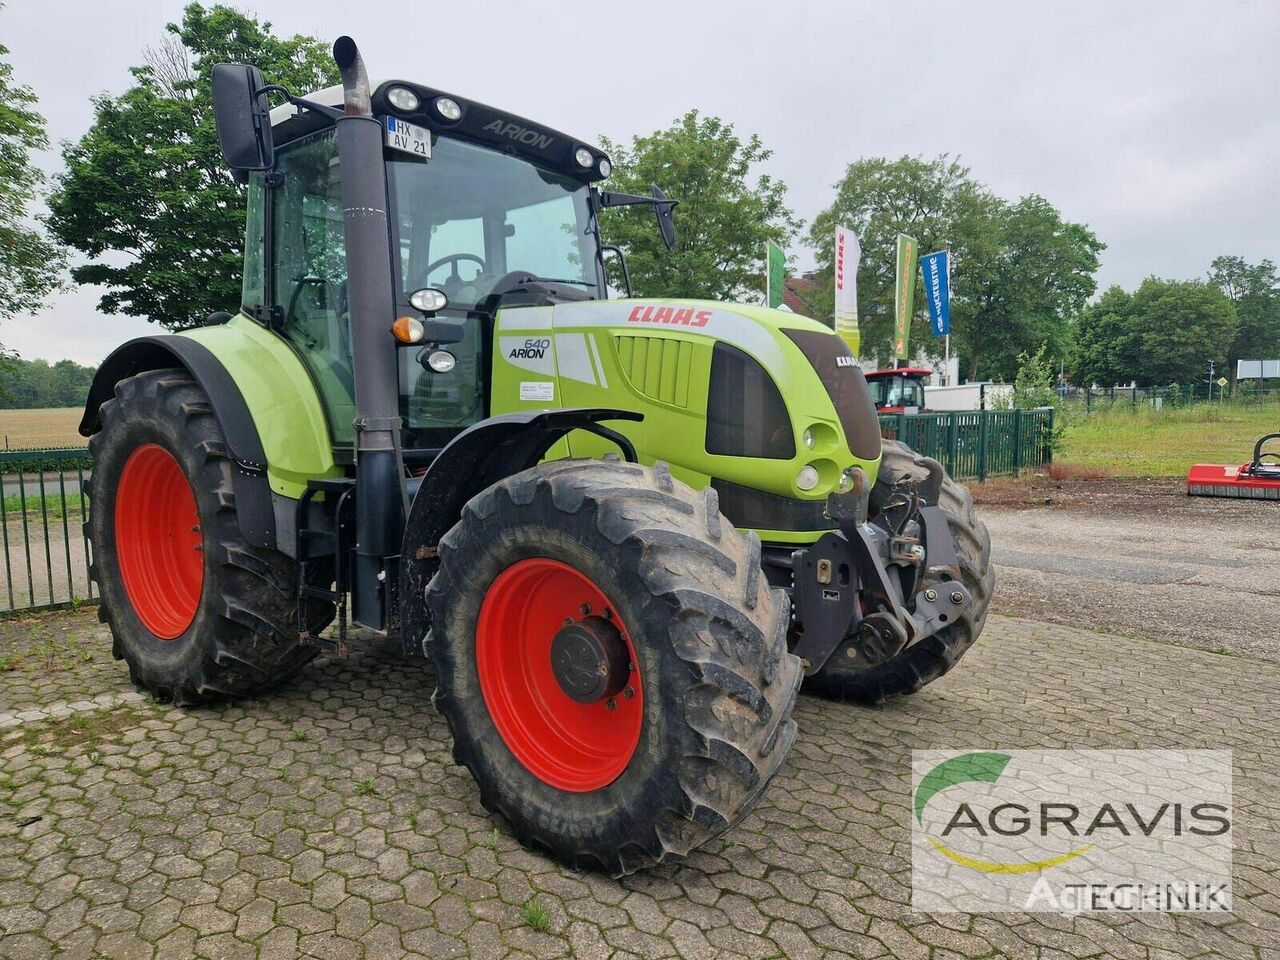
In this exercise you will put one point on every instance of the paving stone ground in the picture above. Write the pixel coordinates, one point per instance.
(327, 820)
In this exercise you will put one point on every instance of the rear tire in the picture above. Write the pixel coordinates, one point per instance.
(714, 685)
(933, 656)
(222, 624)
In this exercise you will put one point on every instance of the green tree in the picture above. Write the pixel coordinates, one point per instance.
(1033, 385)
(29, 264)
(1176, 328)
(1103, 344)
(34, 383)
(1255, 291)
(146, 195)
(1019, 270)
(1033, 273)
(728, 210)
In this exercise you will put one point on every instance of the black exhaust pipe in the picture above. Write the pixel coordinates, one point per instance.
(380, 493)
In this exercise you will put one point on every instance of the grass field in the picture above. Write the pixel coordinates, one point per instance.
(1143, 442)
(45, 427)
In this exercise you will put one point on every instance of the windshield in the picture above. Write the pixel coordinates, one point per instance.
(470, 215)
(896, 391)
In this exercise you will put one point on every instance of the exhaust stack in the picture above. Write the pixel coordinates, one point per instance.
(356, 95)
(380, 493)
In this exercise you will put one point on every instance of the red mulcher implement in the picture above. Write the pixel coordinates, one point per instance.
(1255, 480)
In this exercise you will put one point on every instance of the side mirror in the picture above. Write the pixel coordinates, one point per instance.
(664, 209)
(243, 117)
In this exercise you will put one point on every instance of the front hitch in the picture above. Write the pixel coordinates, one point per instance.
(877, 589)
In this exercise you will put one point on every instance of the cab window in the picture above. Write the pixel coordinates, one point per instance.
(308, 271)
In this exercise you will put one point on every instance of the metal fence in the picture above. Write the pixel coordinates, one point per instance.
(1247, 392)
(43, 505)
(976, 444)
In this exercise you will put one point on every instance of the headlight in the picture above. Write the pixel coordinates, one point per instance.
(584, 158)
(441, 361)
(429, 299)
(448, 108)
(604, 166)
(807, 478)
(402, 98)
(808, 438)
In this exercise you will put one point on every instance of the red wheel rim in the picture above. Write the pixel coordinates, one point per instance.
(158, 541)
(570, 745)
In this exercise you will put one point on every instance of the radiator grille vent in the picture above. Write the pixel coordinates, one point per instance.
(658, 367)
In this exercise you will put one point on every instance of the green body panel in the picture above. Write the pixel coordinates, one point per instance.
(606, 354)
(281, 398)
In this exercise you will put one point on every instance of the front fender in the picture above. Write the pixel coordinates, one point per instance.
(253, 492)
(479, 457)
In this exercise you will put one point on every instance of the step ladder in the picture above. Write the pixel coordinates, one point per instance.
(316, 544)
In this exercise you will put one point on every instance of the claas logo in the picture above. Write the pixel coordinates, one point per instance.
(675, 316)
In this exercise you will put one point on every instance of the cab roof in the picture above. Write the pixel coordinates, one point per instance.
(479, 122)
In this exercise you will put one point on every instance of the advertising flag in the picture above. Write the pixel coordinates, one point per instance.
(776, 274)
(848, 253)
(936, 270)
(904, 295)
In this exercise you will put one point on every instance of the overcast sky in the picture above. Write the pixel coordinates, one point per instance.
(1155, 123)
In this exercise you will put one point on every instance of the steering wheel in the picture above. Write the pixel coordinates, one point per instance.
(454, 258)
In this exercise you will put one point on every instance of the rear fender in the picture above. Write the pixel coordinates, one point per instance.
(475, 459)
(249, 461)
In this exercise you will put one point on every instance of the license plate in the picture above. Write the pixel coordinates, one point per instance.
(408, 138)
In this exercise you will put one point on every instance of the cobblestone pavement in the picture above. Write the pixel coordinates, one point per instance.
(328, 820)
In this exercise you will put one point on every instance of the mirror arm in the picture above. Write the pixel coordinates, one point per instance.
(607, 198)
(333, 113)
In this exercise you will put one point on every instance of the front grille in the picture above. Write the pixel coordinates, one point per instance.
(846, 386)
(751, 509)
(745, 413)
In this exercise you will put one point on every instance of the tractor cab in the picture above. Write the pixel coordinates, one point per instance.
(899, 391)
(487, 208)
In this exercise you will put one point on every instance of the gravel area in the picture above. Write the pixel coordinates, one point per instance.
(1138, 558)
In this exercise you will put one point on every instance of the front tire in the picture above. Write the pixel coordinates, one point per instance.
(668, 733)
(194, 610)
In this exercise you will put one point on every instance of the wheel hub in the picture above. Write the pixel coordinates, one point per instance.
(589, 660)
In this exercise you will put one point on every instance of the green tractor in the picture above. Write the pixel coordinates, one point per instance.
(622, 530)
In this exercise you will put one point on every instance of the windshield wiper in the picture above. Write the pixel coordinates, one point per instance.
(581, 283)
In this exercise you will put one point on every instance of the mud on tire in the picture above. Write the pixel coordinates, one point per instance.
(924, 662)
(718, 684)
(243, 636)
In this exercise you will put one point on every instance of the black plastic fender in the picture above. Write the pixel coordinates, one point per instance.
(253, 492)
(477, 458)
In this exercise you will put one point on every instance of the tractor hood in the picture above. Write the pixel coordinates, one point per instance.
(732, 393)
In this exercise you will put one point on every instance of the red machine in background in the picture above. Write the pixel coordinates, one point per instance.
(1259, 479)
(899, 391)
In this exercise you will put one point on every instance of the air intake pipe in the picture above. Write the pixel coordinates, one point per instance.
(380, 493)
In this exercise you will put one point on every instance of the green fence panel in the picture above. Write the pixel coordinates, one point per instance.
(975, 444)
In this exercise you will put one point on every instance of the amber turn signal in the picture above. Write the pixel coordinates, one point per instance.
(408, 329)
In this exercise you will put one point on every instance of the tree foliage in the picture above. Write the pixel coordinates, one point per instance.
(1020, 271)
(1255, 291)
(1165, 332)
(146, 195)
(29, 264)
(25, 384)
(727, 211)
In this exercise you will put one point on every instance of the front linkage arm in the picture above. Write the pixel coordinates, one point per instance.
(878, 587)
